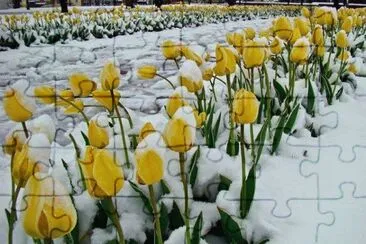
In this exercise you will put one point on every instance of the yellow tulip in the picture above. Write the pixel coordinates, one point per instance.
(249, 33)
(81, 85)
(191, 55)
(320, 51)
(16, 106)
(48, 209)
(103, 174)
(23, 166)
(303, 25)
(245, 107)
(283, 28)
(325, 16)
(46, 94)
(200, 118)
(177, 135)
(105, 98)
(317, 37)
(150, 166)
(170, 49)
(190, 76)
(12, 144)
(300, 51)
(254, 54)
(230, 38)
(77, 106)
(359, 21)
(353, 68)
(344, 56)
(225, 61)
(238, 41)
(146, 130)
(347, 24)
(63, 95)
(98, 135)
(109, 76)
(147, 72)
(276, 46)
(305, 12)
(175, 101)
(295, 36)
(341, 39)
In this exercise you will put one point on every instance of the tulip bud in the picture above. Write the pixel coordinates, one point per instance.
(318, 38)
(81, 85)
(283, 28)
(46, 94)
(319, 51)
(170, 49)
(75, 108)
(146, 130)
(191, 55)
(97, 134)
(110, 76)
(245, 107)
(48, 209)
(305, 12)
(254, 54)
(300, 51)
(105, 98)
(353, 68)
(238, 41)
(207, 71)
(200, 118)
(276, 46)
(147, 72)
(103, 174)
(18, 106)
(303, 25)
(175, 101)
(347, 24)
(190, 76)
(225, 61)
(249, 33)
(341, 39)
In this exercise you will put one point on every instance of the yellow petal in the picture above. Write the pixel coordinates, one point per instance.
(81, 85)
(46, 94)
(150, 166)
(146, 130)
(98, 136)
(76, 107)
(14, 107)
(177, 135)
(147, 72)
(170, 49)
(110, 76)
(105, 98)
(245, 107)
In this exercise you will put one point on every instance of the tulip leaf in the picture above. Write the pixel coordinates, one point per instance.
(264, 241)
(260, 139)
(224, 183)
(278, 133)
(101, 218)
(193, 169)
(37, 241)
(339, 93)
(143, 197)
(231, 228)
(175, 217)
(311, 99)
(164, 219)
(291, 119)
(280, 91)
(216, 129)
(8, 217)
(68, 239)
(86, 139)
(164, 187)
(232, 147)
(196, 233)
(250, 189)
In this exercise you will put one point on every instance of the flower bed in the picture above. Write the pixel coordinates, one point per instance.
(52, 26)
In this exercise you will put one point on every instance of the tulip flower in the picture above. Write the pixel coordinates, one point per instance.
(105, 99)
(109, 76)
(18, 105)
(200, 118)
(191, 55)
(175, 101)
(342, 39)
(300, 51)
(190, 76)
(238, 41)
(75, 107)
(249, 33)
(245, 107)
(283, 28)
(146, 130)
(225, 61)
(305, 12)
(317, 37)
(295, 35)
(49, 212)
(276, 46)
(207, 71)
(320, 51)
(303, 25)
(344, 56)
(147, 72)
(254, 54)
(64, 97)
(347, 24)
(230, 38)
(352, 68)
(81, 85)
(98, 134)
(170, 49)
(103, 174)
(46, 94)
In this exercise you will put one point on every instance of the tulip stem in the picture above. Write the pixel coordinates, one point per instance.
(338, 75)
(112, 213)
(76, 107)
(251, 125)
(47, 241)
(25, 129)
(243, 173)
(13, 213)
(156, 215)
(268, 95)
(170, 83)
(176, 63)
(121, 128)
(77, 150)
(185, 188)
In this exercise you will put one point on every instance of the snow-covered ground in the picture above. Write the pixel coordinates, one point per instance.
(312, 191)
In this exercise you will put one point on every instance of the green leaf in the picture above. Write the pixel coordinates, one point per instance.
(224, 183)
(250, 185)
(260, 139)
(8, 217)
(193, 169)
(264, 241)
(216, 129)
(339, 93)
(232, 148)
(175, 217)
(196, 233)
(280, 91)
(311, 99)
(164, 187)
(143, 197)
(69, 239)
(291, 119)
(164, 219)
(86, 139)
(278, 133)
(231, 227)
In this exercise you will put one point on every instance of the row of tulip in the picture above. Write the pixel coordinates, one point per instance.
(52, 26)
(262, 75)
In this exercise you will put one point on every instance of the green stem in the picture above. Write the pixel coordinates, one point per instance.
(77, 150)
(252, 145)
(268, 95)
(170, 83)
(13, 213)
(113, 216)
(231, 132)
(128, 114)
(78, 109)
(156, 215)
(47, 241)
(213, 88)
(339, 74)
(185, 188)
(25, 129)
(243, 173)
(176, 63)
(122, 130)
